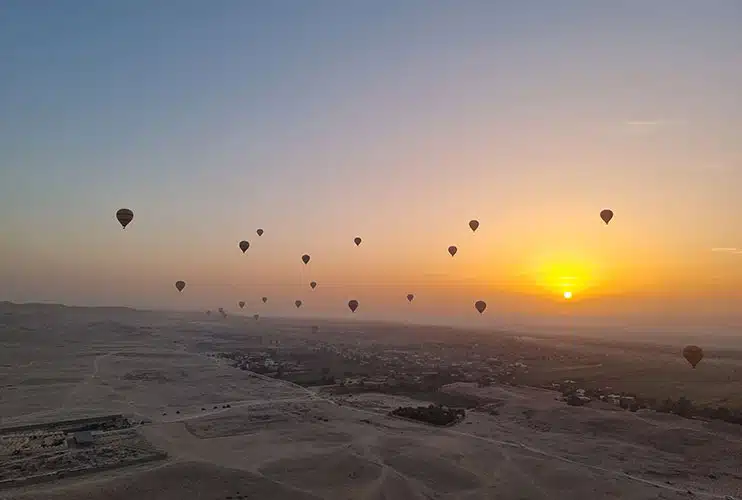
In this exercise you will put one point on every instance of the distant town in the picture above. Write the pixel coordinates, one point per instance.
(421, 370)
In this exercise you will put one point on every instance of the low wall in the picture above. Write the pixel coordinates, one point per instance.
(52, 476)
(56, 425)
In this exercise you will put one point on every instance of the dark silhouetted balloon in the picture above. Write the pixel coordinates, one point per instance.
(180, 285)
(313, 284)
(410, 297)
(256, 316)
(244, 245)
(353, 304)
(124, 216)
(305, 258)
(606, 215)
(242, 304)
(297, 304)
(265, 299)
(480, 305)
(693, 354)
(260, 232)
(357, 240)
(208, 313)
(452, 250)
(474, 224)
(315, 328)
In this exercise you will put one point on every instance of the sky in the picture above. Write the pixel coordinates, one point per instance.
(395, 121)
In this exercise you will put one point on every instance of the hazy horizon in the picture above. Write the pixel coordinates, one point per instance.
(722, 333)
(395, 122)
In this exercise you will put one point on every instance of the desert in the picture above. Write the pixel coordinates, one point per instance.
(216, 430)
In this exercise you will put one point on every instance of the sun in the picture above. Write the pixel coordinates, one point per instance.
(567, 295)
(558, 272)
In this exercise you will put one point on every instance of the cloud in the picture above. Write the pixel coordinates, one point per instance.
(650, 126)
(726, 250)
(714, 167)
(638, 123)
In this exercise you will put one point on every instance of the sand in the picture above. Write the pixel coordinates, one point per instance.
(281, 441)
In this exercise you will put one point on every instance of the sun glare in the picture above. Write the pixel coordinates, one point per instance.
(564, 275)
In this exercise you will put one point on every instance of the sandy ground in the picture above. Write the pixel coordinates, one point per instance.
(281, 441)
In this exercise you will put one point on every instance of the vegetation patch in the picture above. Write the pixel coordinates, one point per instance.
(431, 414)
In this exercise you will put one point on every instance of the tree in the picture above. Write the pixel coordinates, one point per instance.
(574, 400)
(684, 407)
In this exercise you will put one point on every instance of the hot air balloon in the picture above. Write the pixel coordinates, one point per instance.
(256, 316)
(242, 304)
(244, 245)
(693, 354)
(208, 313)
(452, 250)
(315, 328)
(124, 216)
(305, 258)
(474, 224)
(353, 304)
(313, 284)
(357, 240)
(180, 285)
(410, 297)
(265, 299)
(480, 305)
(297, 304)
(260, 232)
(606, 215)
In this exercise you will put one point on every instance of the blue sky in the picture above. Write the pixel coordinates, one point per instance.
(321, 120)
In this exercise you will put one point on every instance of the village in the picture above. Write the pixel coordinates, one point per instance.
(422, 369)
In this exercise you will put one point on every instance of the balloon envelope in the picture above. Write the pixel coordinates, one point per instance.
(693, 354)
(353, 305)
(313, 284)
(297, 303)
(256, 316)
(264, 299)
(242, 304)
(480, 305)
(473, 224)
(452, 250)
(410, 297)
(124, 216)
(305, 258)
(315, 328)
(208, 313)
(180, 285)
(606, 215)
(357, 240)
(260, 232)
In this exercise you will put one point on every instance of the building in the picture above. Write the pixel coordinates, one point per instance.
(79, 439)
